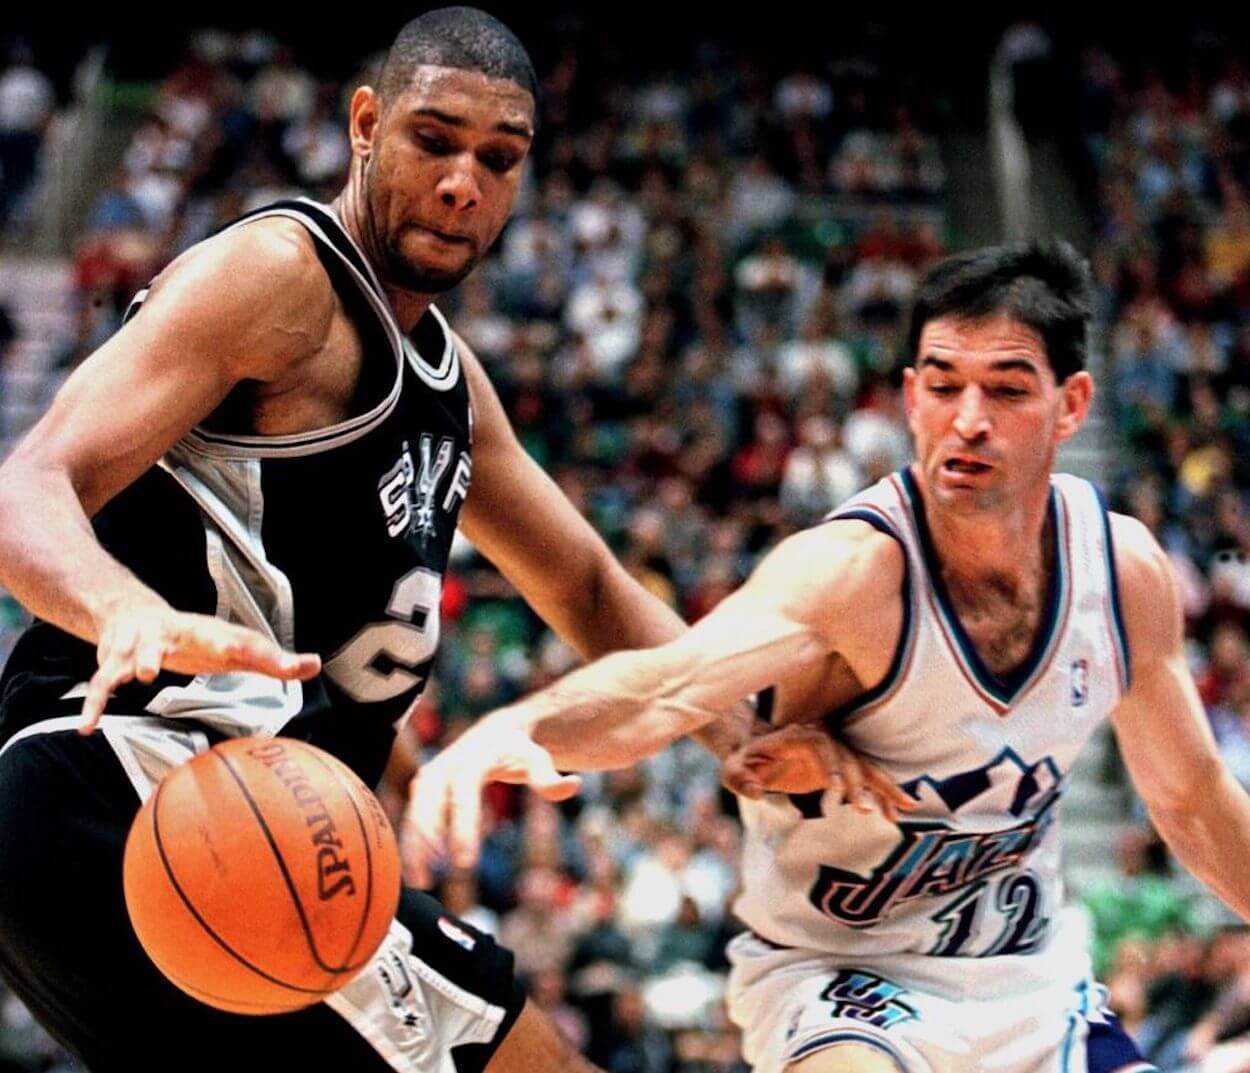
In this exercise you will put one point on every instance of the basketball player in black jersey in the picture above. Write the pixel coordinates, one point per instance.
(234, 519)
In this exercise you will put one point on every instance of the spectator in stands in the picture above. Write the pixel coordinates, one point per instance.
(26, 104)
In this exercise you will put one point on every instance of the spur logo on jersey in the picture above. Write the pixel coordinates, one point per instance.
(869, 999)
(409, 491)
(933, 859)
(401, 992)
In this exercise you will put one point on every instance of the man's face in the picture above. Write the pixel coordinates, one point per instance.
(444, 163)
(986, 413)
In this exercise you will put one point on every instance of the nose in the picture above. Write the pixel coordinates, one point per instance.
(458, 188)
(972, 421)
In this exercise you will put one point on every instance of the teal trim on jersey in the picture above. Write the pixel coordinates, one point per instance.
(1074, 1020)
(907, 632)
(1117, 612)
(1004, 690)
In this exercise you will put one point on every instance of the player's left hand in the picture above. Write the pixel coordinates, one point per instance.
(444, 813)
(801, 759)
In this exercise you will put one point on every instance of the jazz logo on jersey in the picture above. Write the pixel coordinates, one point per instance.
(872, 1000)
(1080, 682)
(934, 859)
(408, 492)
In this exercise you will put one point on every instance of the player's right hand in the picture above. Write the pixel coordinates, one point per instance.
(444, 813)
(137, 643)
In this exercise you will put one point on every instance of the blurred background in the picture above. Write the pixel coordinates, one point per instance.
(694, 320)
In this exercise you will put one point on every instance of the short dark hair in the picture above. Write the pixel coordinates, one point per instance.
(465, 38)
(1043, 285)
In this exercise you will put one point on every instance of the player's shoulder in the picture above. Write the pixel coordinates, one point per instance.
(1140, 561)
(274, 252)
(261, 286)
(1146, 586)
(847, 560)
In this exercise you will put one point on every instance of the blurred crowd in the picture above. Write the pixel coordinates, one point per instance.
(694, 323)
(1169, 143)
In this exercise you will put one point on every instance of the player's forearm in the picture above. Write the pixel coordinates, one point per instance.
(621, 613)
(1210, 834)
(50, 559)
(630, 705)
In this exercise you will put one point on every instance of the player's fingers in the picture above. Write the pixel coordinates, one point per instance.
(149, 655)
(464, 819)
(853, 779)
(888, 790)
(248, 650)
(107, 678)
(421, 838)
(546, 781)
(740, 778)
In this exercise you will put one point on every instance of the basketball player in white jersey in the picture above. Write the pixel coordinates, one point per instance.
(967, 622)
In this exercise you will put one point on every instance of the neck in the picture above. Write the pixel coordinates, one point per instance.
(408, 306)
(1007, 545)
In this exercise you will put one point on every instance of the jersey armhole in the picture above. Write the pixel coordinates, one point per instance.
(1119, 631)
(906, 639)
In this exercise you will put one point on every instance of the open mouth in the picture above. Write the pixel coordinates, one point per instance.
(965, 466)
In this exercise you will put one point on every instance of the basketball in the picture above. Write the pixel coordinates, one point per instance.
(261, 876)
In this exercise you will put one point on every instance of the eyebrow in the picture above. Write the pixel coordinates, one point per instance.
(1006, 365)
(518, 130)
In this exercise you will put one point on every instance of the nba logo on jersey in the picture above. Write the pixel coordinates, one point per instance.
(1080, 682)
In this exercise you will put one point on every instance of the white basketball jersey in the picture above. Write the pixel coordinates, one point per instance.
(974, 871)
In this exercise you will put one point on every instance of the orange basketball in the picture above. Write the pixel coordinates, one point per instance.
(261, 876)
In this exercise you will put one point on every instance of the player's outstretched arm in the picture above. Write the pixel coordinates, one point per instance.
(247, 305)
(1164, 736)
(520, 520)
(813, 589)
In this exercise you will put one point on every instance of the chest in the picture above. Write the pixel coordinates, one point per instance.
(1001, 625)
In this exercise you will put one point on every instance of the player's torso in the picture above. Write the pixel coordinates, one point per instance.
(974, 870)
(332, 539)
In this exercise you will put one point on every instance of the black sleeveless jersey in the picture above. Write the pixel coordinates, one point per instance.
(331, 541)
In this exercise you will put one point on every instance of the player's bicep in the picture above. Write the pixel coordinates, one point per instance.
(515, 514)
(1164, 736)
(790, 616)
(1160, 723)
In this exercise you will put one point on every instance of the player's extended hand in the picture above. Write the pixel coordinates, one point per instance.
(444, 813)
(801, 759)
(138, 642)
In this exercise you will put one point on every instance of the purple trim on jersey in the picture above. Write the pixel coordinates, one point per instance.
(1108, 1048)
(830, 1039)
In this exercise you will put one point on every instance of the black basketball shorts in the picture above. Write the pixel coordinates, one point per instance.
(438, 997)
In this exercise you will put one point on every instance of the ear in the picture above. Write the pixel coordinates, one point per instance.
(365, 114)
(1075, 395)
